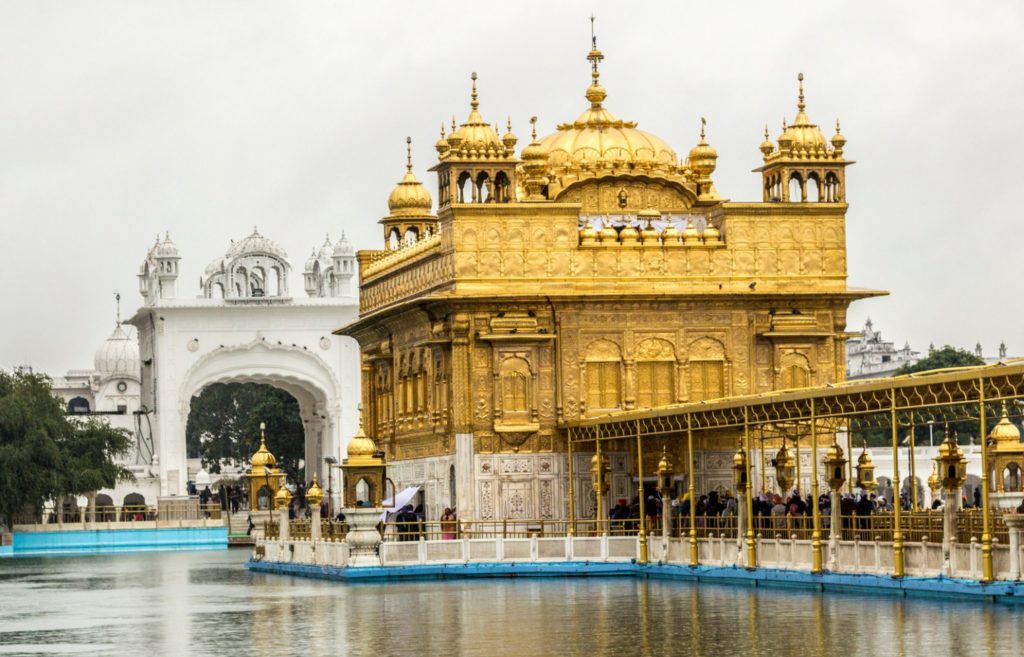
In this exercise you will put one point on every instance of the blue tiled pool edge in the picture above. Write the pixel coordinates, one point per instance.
(1002, 592)
(100, 541)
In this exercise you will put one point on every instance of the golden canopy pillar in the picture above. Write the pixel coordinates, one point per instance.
(263, 474)
(1006, 461)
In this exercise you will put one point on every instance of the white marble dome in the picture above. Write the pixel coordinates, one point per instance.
(118, 356)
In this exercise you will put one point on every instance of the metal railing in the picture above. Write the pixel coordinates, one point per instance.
(125, 513)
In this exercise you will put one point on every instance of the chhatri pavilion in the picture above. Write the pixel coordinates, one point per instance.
(593, 271)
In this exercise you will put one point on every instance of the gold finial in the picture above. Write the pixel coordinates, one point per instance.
(766, 132)
(783, 124)
(800, 103)
(442, 129)
(408, 153)
(594, 56)
(837, 126)
(453, 123)
(703, 124)
(474, 103)
(117, 298)
(533, 128)
(263, 434)
(509, 124)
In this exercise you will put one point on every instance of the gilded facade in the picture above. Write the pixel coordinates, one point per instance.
(594, 271)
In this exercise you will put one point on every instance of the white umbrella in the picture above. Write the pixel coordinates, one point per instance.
(401, 499)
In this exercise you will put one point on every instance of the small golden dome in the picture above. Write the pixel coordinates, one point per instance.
(665, 463)
(629, 235)
(361, 444)
(262, 457)
(690, 233)
(703, 157)
(410, 197)
(934, 481)
(838, 140)
(864, 460)
(1005, 436)
(509, 139)
(766, 146)
(475, 137)
(283, 498)
(314, 494)
(739, 459)
(442, 144)
(803, 137)
(608, 233)
(588, 235)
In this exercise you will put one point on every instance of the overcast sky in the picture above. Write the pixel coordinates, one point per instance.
(119, 120)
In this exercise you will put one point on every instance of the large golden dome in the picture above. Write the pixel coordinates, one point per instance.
(1005, 436)
(262, 457)
(599, 141)
(410, 197)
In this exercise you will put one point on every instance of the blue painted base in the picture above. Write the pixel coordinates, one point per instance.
(1003, 592)
(101, 541)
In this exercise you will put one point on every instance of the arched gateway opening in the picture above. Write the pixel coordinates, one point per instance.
(289, 387)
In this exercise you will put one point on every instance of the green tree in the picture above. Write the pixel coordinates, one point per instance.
(44, 453)
(224, 423)
(942, 358)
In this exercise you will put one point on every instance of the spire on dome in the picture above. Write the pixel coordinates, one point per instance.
(595, 92)
(408, 153)
(474, 103)
(800, 104)
(117, 298)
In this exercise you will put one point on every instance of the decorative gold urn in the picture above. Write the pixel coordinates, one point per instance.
(866, 471)
(835, 465)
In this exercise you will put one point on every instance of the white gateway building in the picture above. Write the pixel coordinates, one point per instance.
(247, 327)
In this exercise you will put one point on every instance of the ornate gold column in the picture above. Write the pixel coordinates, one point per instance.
(751, 544)
(640, 488)
(796, 449)
(694, 558)
(816, 560)
(849, 464)
(986, 527)
(897, 534)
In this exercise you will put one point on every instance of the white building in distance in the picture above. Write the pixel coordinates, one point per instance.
(869, 356)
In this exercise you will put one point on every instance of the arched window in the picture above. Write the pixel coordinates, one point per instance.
(274, 282)
(603, 372)
(78, 405)
(796, 193)
(655, 373)
(411, 234)
(706, 369)
(502, 188)
(364, 489)
(483, 191)
(813, 189)
(795, 371)
(464, 178)
(832, 194)
(394, 239)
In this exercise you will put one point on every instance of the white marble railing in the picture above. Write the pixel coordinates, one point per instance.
(923, 559)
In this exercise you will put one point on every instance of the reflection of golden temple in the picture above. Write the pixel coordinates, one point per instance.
(595, 274)
(264, 475)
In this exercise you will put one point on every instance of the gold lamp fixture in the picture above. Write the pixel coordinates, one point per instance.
(739, 470)
(283, 499)
(784, 467)
(934, 482)
(835, 465)
(866, 471)
(665, 471)
(599, 469)
(952, 463)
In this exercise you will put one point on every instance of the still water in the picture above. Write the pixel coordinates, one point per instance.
(205, 603)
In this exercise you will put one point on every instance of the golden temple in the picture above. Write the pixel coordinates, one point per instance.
(595, 272)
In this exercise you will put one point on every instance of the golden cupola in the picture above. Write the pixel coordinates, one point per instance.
(409, 208)
(262, 458)
(805, 167)
(598, 143)
(476, 165)
(1006, 455)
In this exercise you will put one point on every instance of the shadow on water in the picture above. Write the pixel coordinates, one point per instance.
(205, 603)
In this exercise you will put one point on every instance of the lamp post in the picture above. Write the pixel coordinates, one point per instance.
(952, 473)
(835, 465)
(599, 474)
(739, 481)
(314, 496)
(331, 463)
(783, 464)
(665, 474)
